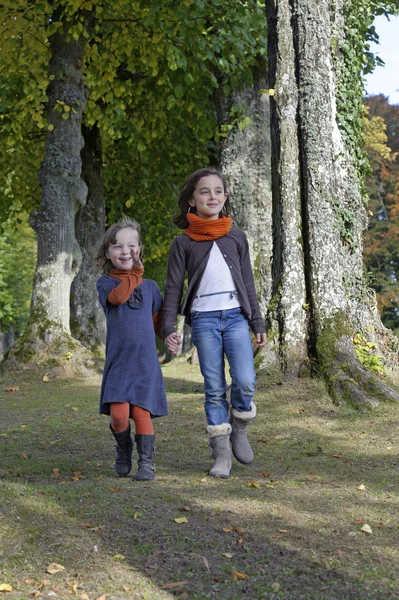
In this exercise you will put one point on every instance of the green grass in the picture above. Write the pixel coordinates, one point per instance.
(290, 523)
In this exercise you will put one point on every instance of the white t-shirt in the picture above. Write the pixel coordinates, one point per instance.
(217, 290)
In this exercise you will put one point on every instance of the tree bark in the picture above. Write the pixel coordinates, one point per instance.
(47, 337)
(318, 203)
(87, 317)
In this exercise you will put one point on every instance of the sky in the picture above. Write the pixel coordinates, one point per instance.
(385, 80)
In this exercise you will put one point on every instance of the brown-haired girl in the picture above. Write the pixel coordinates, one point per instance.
(132, 385)
(220, 305)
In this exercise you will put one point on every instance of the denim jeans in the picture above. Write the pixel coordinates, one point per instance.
(219, 333)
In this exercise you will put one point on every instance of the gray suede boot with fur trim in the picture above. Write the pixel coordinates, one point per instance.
(239, 441)
(219, 439)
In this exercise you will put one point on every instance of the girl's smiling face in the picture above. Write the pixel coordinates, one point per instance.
(209, 197)
(121, 252)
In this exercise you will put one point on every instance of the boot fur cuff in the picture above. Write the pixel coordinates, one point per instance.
(246, 415)
(214, 430)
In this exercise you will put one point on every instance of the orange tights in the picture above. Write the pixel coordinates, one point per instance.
(120, 413)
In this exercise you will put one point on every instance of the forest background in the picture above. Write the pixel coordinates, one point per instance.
(164, 89)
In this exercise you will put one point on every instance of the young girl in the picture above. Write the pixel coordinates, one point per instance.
(220, 304)
(132, 385)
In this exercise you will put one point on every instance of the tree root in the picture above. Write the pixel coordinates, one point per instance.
(349, 381)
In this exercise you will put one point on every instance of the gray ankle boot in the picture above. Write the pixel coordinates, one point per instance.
(239, 424)
(219, 439)
(124, 447)
(145, 448)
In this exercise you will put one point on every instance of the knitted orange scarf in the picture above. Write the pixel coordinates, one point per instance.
(202, 230)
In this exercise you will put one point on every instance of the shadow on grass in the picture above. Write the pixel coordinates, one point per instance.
(281, 526)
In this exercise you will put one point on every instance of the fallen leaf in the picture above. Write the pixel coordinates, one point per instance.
(311, 476)
(5, 587)
(227, 529)
(88, 525)
(337, 456)
(265, 474)
(239, 529)
(103, 597)
(136, 515)
(86, 597)
(228, 555)
(54, 568)
(74, 408)
(11, 389)
(118, 557)
(204, 480)
(283, 530)
(173, 584)
(267, 441)
(204, 560)
(181, 520)
(253, 484)
(358, 521)
(114, 489)
(55, 474)
(380, 525)
(186, 508)
(361, 487)
(339, 553)
(301, 409)
(124, 588)
(275, 586)
(367, 529)
(45, 379)
(25, 455)
(237, 575)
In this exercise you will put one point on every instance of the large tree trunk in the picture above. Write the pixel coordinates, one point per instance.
(47, 337)
(87, 317)
(318, 215)
(245, 161)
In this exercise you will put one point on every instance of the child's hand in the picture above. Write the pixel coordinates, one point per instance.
(260, 340)
(173, 343)
(135, 252)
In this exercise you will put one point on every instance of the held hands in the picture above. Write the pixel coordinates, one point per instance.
(260, 340)
(173, 343)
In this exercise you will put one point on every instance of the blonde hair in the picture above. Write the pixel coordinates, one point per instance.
(101, 260)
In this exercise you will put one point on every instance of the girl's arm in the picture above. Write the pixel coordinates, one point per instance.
(173, 288)
(129, 281)
(256, 322)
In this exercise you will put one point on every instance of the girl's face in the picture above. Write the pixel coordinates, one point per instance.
(126, 245)
(209, 197)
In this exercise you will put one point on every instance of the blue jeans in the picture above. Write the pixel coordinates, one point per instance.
(215, 334)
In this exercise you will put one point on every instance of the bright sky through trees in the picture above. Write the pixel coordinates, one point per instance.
(385, 80)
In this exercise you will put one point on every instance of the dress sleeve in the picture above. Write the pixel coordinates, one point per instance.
(129, 281)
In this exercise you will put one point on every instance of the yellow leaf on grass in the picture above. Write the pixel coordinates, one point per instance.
(180, 520)
(119, 557)
(275, 586)
(102, 597)
(361, 487)
(4, 587)
(237, 575)
(366, 528)
(186, 508)
(25, 455)
(253, 484)
(173, 584)
(283, 530)
(11, 389)
(84, 596)
(228, 555)
(114, 489)
(54, 568)
(45, 379)
(227, 529)
(239, 529)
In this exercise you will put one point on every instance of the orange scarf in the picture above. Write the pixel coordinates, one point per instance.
(202, 230)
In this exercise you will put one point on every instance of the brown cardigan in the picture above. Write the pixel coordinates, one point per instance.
(187, 255)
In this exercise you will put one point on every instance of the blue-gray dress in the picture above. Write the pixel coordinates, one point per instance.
(132, 372)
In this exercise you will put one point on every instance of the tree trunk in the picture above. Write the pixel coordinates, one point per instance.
(318, 213)
(87, 317)
(47, 337)
(245, 161)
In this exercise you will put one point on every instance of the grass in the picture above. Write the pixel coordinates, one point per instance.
(286, 527)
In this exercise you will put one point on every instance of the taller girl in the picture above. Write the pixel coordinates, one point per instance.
(220, 304)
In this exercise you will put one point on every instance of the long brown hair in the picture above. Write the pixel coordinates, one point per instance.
(100, 259)
(186, 193)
